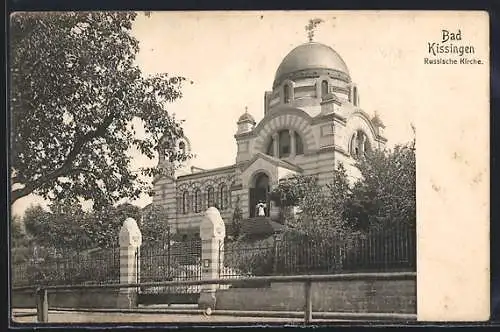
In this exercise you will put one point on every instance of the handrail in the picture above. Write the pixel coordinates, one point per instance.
(227, 281)
(42, 298)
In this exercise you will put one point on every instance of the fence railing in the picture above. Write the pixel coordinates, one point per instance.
(171, 261)
(43, 305)
(162, 260)
(381, 251)
(101, 266)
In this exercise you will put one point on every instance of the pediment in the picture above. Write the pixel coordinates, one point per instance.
(272, 161)
(274, 168)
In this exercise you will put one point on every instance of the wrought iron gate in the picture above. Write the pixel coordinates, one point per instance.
(170, 261)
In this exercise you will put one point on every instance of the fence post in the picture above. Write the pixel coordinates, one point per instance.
(42, 305)
(307, 302)
(130, 241)
(212, 233)
(276, 238)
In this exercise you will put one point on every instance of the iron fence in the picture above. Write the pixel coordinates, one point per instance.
(170, 261)
(378, 251)
(100, 266)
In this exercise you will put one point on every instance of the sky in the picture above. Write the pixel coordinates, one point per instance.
(232, 59)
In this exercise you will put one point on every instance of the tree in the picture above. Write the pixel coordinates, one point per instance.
(154, 224)
(75, 91)
(237, 218)
(103, 226)
(20, 241)
(292, 189)
(18, 235)
(59, 229)
(386, 193)
(321, 207)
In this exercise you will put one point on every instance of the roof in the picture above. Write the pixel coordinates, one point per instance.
(273, 160)
(246, 117)
(311, 56)
(203, 173)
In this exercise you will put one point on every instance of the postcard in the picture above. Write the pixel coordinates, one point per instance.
(249, 167)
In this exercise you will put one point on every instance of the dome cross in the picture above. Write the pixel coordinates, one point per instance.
(311, 28)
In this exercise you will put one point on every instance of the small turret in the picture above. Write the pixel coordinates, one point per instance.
(245, 123)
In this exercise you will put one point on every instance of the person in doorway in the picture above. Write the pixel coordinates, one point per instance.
(261, 212)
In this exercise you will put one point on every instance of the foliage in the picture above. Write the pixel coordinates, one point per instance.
(291, 190)
(60, 229)
(386, 194)
(18, 235)
(69, 228)
(383, 196)
(99, 267)
(237, 219)
(103, 226)
(294, 253)
(75, 91)
(321, 208)
(250, 258)
(154, 224)
(20, 248)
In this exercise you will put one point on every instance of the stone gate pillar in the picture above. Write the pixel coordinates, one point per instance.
(212, 233)
(130, 242)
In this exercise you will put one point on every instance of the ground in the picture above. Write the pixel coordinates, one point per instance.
(90, 317)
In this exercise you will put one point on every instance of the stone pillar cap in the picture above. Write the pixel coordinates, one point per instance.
(212, 225)
(130, 234)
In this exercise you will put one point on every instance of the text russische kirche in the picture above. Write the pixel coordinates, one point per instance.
(451, 50)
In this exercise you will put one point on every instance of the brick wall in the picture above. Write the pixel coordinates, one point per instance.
(379, 296)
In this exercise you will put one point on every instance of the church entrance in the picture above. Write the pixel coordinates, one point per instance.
(259, 196)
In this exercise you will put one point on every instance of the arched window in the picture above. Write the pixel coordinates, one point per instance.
(197, 201)
(223, 196)
(299, 146)
(324, 88)
(210, 197)
(286, 94)
(185, 202)
(284, 143)
(360, 144)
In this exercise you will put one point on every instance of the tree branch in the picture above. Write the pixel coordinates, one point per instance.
(70, 158)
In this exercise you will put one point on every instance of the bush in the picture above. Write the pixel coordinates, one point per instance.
(250, 258)
(102, 266)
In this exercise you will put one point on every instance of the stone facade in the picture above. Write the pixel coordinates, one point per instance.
(312, 120)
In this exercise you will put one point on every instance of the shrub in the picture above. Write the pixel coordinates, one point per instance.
(250, 258)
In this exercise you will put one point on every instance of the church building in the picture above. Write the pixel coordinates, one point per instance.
(311, 121)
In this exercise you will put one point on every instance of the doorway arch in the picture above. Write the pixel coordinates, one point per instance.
(260, 187)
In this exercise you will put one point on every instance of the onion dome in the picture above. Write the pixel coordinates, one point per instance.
(246, 117)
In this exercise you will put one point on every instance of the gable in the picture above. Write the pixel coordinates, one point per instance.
(272, 167)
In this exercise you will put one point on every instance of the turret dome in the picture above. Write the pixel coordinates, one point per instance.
(246, 117)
